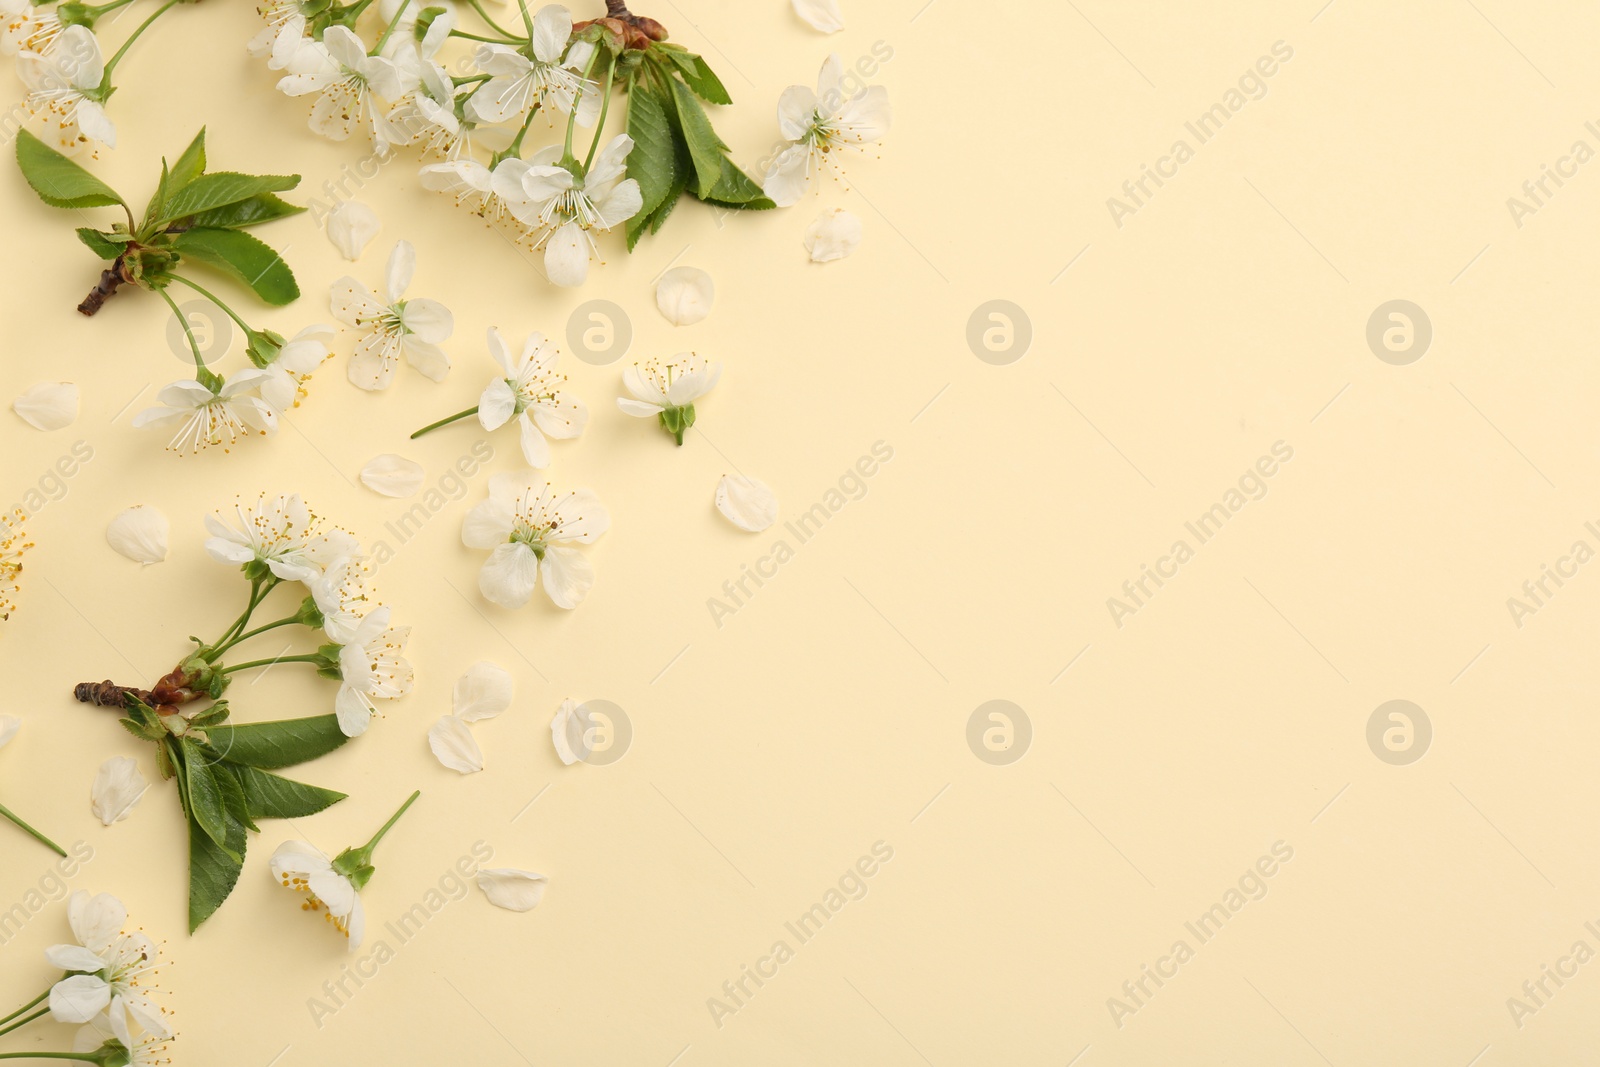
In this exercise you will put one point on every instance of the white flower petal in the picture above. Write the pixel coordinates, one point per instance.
(834, 235)
(746, 502)
(351, 227)
(560, 732)
(118, 786)
(140, 533)
(483, 692)
(454, 746)
(511, 889)
(684, 295)
(79, 998)
(820, 15)
(9, 725)
(392, 475)
(509, 575)
(568, 576)
(48, 405)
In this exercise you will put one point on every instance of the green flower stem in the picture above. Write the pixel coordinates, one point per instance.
(84, 1056)
(605, 107)
(258, 630)
(35, 1002)
(202, 374)
(493, 25)
(577, 98)
(444, 422)
(370, 845)
(486, 40)
(514, 149)
(105, 82)
(527, 19)
(25, 1020)
(243, 325)
(37, 836)
(258, 592)
(309, 657)
(473, 79)
(389, 30)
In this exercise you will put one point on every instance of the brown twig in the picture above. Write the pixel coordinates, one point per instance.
(110, 279)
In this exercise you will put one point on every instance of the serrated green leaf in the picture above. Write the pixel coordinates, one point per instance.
(281, 743)
(214, 869)
(221, 189)
(735, 189)
(207, 808)
(58, 180)
(141, 731)
(270, 796)
(104, 245)
(705, 147)
(698, 75)
(246, 258)
(252, 211)
(191, 164)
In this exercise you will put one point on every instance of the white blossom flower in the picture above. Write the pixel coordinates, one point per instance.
(139, 533)
(835, 234)
(106, 967)
(342, 596)
(392, 475)
(146, 1050)
(304, 869)
(509, 888)
(205, 419)
(350, 87)
(684, 295)
(528, 527)
(532, 393)
(566, 209)
(65, 86)
(282, 38)
(48, 405)
(518, 84)
(394, 326)
(372, 666)
(483, 692)
(819, 125)
(283, 380)
(668, 390)
(118, 786)
(351, 227)
(746, 502)
(280, 533)
(26, 27)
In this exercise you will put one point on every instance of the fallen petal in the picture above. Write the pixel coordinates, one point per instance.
(684, 295)
(9, 725)
(746, 502)
(118, 786)
(454, 746)
(483, 692)
(822, 15)
(392, 475)
(509, 888)
(834, 235)
(48, 405)
(351, 227)
(560, 734)
(140, 533)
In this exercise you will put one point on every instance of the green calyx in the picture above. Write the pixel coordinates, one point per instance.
(675, 420)
(264, 346)
(356, 863)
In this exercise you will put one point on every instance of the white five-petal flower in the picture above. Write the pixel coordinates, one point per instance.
(350, 87)
(65, 86)
(566, 209)
(528, 527)
(304, 869)
(372, 666)
(668, 390)
(518, 84)
(818, 125)
(106, 967)
(393, 326)
(283, 382)
(343, 597)
(281, 533)
(532, 393)
(25, 27)
(205, 419)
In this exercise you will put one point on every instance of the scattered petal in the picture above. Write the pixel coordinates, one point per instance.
(118, 786)
(453, 744)
(834, 235)
(820, 15)
(560, 735)
(9, 725)
(483, 692)
(48, 405)
(511, 889)
(140, 533)
(684, 295)
(351, 227)
(392, 475)
(746, 502)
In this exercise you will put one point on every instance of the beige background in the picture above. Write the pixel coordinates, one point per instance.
(830, 713)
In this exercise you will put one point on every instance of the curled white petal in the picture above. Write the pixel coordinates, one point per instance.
(140, 533)
(9, 725)
(509, 888)
(684, 295)
(483, 692)
(454, 746)
(392, 475)
(821, 15)
(351, 227)
(834, 235)
(747, 502)
(48, 405)
(560, 732)
(118, 786)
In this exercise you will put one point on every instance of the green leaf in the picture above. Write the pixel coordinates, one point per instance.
(281, 743)
(105, 245)
(207, 808)
(705, 147)
(221, 189)
(264, 207)
(141, 731)
(680, 185)
(735, 189)
(213, 868)
(191, 164)
(246, 258)
(58, 180)
(654, 159)
(269, 796)
(697, 75)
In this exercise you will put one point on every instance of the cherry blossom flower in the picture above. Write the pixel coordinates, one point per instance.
(566, 209)
(528, 528)
(519, 84)
(66, 86)
(668, 390)
(371, 667)
(26, 27)
(394, 326)
(533, 394)
(280, 534)
(284, 378)
(206, 418)
(819, 125)
(350, 87)
(105, 969)
(306, 869)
